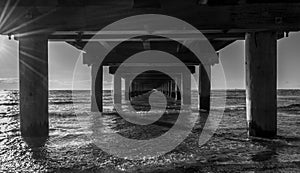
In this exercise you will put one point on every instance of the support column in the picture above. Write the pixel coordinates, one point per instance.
(130, 91)
(172, 94)
(170, 89)
(134, 89)
(33, 74)
(261, 83)
(141, 88)
(186, 87)
(179, 89)
(127, 86)
(117, 89)
(175, 89)
(204, 87)
(97, 89)
(166, 88)
(138, 88)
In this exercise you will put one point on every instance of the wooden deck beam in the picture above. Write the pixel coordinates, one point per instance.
(245, 17)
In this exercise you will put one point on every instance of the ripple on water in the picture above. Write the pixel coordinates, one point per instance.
(69, 149)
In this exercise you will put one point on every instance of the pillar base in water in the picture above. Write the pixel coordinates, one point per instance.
(256, 131)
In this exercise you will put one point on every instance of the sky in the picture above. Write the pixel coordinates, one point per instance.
(64, 60)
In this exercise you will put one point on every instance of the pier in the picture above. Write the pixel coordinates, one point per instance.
(260, 23)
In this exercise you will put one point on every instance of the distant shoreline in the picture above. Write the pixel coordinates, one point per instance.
(192, 89)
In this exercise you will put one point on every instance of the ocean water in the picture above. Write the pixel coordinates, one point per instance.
(69, 149)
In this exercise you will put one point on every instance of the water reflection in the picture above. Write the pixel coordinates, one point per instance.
(268, 154)
(37, 146)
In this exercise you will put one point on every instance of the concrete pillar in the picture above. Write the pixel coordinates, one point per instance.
(261, 83)
(127, 88)
(33, 74)
(204, 87)
(173, 91)
(130, 91)
(97, 88)
(134, 89)
(179, 88)
(186, 87)
(138, 85)
(144, 89)
(140, 88)
(167, 88)
(170, 88)
(117, 89)
(162, 88)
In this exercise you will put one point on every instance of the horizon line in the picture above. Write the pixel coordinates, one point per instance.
(215, 89)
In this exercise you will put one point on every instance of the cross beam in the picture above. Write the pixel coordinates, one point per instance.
(242, 18)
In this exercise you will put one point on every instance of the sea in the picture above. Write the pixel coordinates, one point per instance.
(69, 147)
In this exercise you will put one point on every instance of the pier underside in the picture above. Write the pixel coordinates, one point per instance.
(259, 23)
(260, 72)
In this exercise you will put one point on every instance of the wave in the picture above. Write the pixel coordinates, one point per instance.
(291, 107)
(68, 102)
(6, 115)
(51, 102)
(9, 104)
(62, 114)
